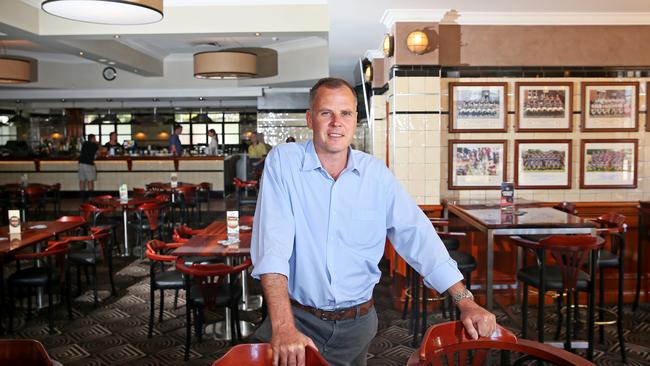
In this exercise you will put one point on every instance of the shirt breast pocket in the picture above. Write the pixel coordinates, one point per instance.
(365, 228)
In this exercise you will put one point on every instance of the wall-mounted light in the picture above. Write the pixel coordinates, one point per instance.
(388, 45)
(417, 42)
(367, 71)
(140, 136)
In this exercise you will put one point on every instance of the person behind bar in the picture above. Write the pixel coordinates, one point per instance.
(113, 144)
(87, 170)
(175, 146)
(213, 145)
(323, 213)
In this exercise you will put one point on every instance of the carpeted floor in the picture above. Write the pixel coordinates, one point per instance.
(115, 333)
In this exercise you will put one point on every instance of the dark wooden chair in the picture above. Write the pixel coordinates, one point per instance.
(203, 197)
(211, 286)
(53, 271)
(449, 344)
(160, 278)
(23, 352)
(644, 235)
(261, 354)
(565, 277)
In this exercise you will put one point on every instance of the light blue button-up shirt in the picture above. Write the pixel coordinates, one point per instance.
(327, 236)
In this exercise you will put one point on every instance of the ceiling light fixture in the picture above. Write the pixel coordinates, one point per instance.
(107, 118)
(14, 71)
(118, 12)
(18, 118)
(225, 65)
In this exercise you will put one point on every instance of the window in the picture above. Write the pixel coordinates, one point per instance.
(102, 131)
(7, 132)
(225, 124)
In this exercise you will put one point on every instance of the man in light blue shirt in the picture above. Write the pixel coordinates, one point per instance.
(323, 213)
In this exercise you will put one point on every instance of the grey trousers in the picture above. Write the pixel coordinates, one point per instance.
(342, 342)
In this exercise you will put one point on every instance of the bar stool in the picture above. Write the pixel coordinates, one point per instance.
(570, 253)
(206, 287)
(613, 226)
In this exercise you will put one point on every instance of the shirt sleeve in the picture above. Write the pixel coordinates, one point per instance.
(273, 226)
(415, 239)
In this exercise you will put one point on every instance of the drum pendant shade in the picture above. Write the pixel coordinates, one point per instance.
(225, 65)
(118, 12)
(14, 71)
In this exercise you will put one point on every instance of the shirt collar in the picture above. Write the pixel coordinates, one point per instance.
(311, 160)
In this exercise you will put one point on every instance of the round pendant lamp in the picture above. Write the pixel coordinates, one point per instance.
(118, 12)
(14, 71)
(225, 65)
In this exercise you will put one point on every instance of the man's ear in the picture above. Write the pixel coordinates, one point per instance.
(308, 117)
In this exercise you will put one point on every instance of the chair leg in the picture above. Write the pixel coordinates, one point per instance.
(524, 312)
(188, 322)
(619, 321)
(152, 301)
(175, 299)
(162, 305)
(423, 327)
(406, 298)
(86, 275)
(601, 304)
(560, 321)
(50, 310)
(12, 308)
(200, 320)
(567, 342)
(96, 301)
(78, 280)
(29, 304)
(109, 259)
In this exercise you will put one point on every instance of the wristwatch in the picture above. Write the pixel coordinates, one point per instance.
(465, 294)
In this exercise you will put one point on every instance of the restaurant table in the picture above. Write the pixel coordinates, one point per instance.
(206, 244)
(126, 205)
(32, 233)
(524, 218)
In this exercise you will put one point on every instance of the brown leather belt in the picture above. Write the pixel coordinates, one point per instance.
(340, 314)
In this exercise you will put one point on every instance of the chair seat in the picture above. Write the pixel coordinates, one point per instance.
(223, 297)
(86, 256)
(552, 277)
(32, 277)
(607, 259)
(203, 260)
(536, 238)
(451, 243)
(465, 261)
(168, 280)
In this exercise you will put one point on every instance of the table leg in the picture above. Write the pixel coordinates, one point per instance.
(125, 218)
(489, 275)
(248, 302)
(2, 294)
(540, 298)
(643, 230)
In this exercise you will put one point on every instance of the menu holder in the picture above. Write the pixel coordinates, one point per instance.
(507, 195)
(14, 221)
(232, 222)
(124, 193)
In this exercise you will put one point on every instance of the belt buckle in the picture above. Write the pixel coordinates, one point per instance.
(323, 316)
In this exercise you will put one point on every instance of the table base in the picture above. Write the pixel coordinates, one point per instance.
(253, 302)
(221, 329)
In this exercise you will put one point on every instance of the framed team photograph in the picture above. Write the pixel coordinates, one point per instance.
(543, 164)
(477, 164)
(543, 107)
(610, 106)
(609, 163)
(478, 107)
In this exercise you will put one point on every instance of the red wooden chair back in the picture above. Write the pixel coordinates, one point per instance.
(55, 250)
(23, 352)
(567, 207)
(152, 212)
(571, 252)
(246, 220)
(450, 342)
(261, 354)
(612, 220)
(34, 192)
(182, 234)
(187, 194)
(244, 183)
(155, 250)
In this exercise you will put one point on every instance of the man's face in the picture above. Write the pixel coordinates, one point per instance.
(333, 120)
(178, 131)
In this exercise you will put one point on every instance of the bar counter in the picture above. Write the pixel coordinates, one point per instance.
(134, 171)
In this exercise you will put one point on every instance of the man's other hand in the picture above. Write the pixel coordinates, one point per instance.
(289, 346)
(477, 321)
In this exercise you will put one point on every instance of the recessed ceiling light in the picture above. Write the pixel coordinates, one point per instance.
(201, 98)
(116, 36)
(135, 71)
(257, 34)
(111, 62)
(102, 60)
(81, 53)
(275, 38)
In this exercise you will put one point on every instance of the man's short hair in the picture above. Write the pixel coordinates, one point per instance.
(91, 136)
(329, 83)
(112, 133)
(177, 126)
(212, 130)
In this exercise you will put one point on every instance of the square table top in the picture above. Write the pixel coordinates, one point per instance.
(206, 243)
(30, 235)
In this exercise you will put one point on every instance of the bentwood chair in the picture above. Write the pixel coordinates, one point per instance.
(449, 344)
(211, 286)
(203, 197)
(261, 354)
(565, 277)
(53, 271)
(160, 278)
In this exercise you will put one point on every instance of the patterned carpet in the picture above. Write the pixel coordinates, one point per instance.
(115, 333)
